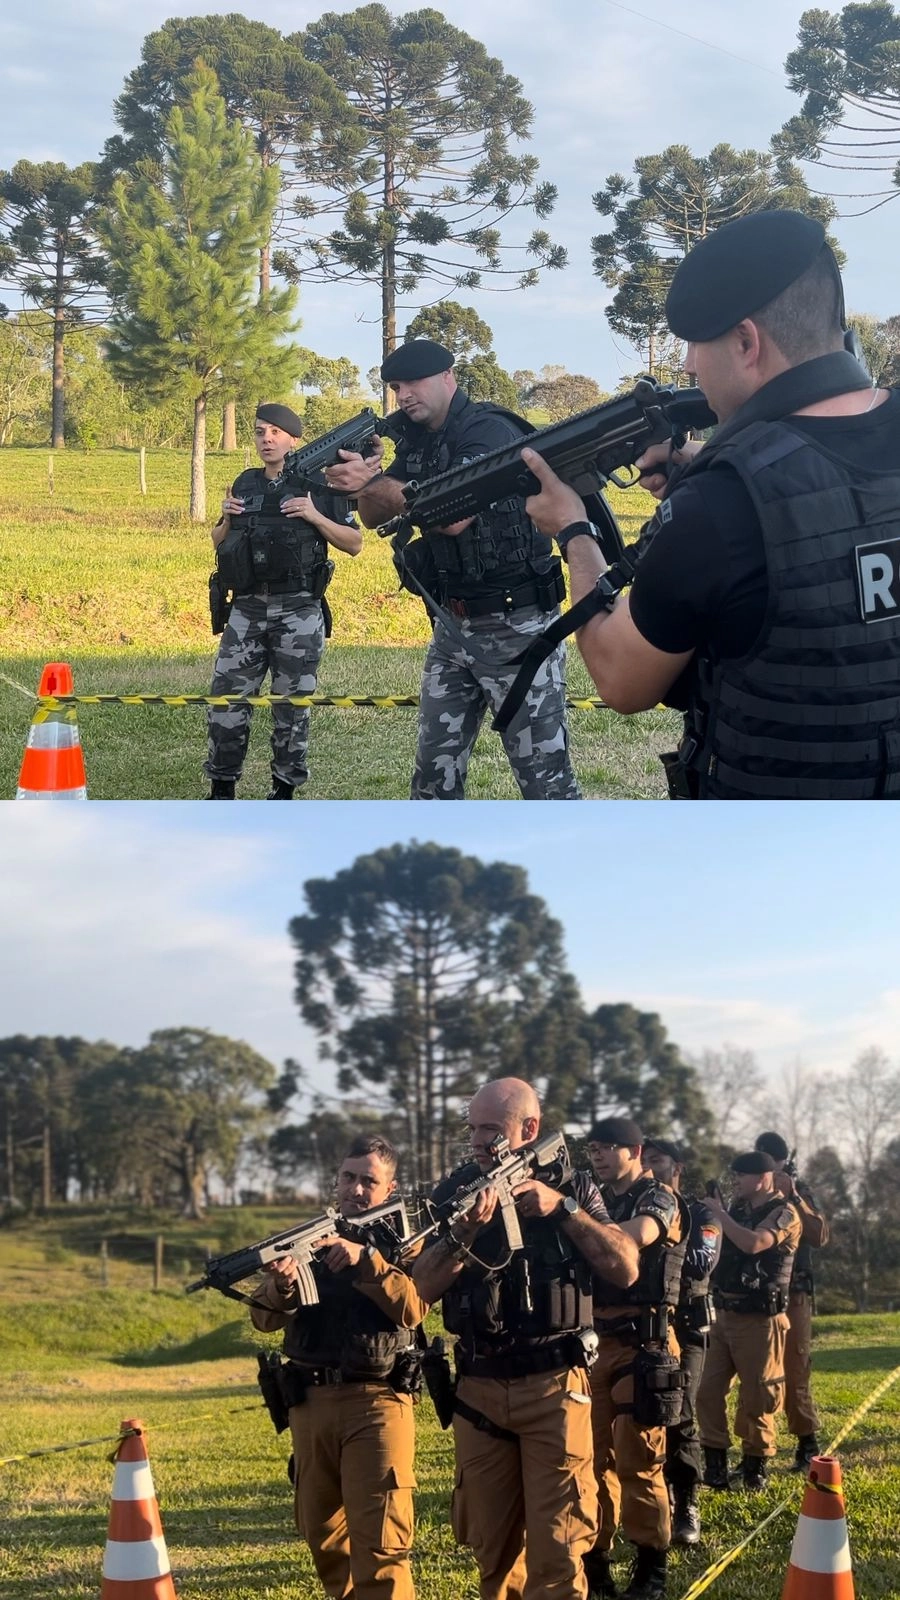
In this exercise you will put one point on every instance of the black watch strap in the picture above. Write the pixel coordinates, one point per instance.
(576, 530)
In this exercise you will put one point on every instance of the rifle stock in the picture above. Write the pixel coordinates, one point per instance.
(546, 1159)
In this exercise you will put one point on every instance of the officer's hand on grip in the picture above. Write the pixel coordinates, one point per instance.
(353, 471)
(284, 1273)
(556, 505)
(657, 460)
(535, 1199)
(477, 1217)
(337, 1254)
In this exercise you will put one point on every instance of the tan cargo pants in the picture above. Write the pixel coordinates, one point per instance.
(543, 1481)
(749, 1346)
(802, 1417)
(353, 1490)
(628, 1460)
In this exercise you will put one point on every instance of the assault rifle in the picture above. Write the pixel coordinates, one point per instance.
(547, 1159)
(385, 1226)
(303, 470)
(587, 451)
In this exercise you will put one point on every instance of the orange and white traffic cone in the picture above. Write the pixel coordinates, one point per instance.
(136, 1562)
(819, 1567)
(53, 764)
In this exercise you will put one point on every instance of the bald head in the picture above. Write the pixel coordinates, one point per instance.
(507, 1108)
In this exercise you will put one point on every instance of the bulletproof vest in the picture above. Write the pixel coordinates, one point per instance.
(345, 1330)
(659, 1264)
(544, 1290)
(262, 546)
(753, 1276)
(812, 712)
(502, 541)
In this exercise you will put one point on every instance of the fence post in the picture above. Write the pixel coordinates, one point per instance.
(50, 471)
(104, 1265)
(143, 470)
(158, 1261)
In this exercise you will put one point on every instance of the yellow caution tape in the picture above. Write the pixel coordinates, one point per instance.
(344, 701)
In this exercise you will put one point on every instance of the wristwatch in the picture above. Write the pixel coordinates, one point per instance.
(575, 530)
(568, 1207)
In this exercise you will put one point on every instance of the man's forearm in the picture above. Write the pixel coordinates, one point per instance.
(746, 1239)
(609, 1252)
(381, 501)
(435, 1270)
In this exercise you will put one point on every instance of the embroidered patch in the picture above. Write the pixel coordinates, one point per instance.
(878, 580)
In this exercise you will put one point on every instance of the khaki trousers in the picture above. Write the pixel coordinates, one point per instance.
(802, 1417)
(542, 1481)
(353, 1490)
(749, 1346)
(628, 1460)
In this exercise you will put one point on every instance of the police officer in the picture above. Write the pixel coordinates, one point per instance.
(637, 1361)
(775, 552)
(352, 1423)
(750, 1291)
(693, 1319)
(495, 574)
(275, 559)
(522, 1426)
(802, 1417)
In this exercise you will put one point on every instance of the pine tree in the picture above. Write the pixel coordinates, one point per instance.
(184, 250)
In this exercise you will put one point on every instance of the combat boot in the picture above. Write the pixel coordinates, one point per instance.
(807, 1448)
(648, 1575)
(715, 1475)
(685, 1517)
(753, 1472)
(598, 1572)
(221, 789)
(280, 790)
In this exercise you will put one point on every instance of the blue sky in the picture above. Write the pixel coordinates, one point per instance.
(771, 927)
(609, 82)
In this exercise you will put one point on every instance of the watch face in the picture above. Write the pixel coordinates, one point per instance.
(570, 1205)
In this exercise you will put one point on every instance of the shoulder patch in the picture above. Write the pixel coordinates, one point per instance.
(664, 511)
(659, 1203)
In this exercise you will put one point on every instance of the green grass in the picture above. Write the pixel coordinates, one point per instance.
(75, 1360)
(95, 575)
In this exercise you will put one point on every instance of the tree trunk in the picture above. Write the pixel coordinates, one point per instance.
(388, 271)
(46, 1168)
(229, 426)
(58, 426)
(198, 461)
(265, 254)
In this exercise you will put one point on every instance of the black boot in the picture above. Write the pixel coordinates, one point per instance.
(807, 1448)
(598, 1574)
(221, 789)
(753, 1472)
(685, 1517)
(648, 1575)
(716, 1474)
(280, 790)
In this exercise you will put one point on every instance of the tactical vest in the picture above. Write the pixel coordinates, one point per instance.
(659, 1265)
(745, 1282)
(812, 712)
(347, 1330)
(264, 548)
(543, 1291)
(502, 544)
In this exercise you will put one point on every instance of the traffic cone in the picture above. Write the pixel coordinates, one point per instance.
(53, 764)
(136, 1562)
(819, 1567)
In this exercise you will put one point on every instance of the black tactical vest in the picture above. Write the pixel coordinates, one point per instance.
(812, 712)
(659, 1265)
(755, 1282)
(345, 1330)
(502, 544)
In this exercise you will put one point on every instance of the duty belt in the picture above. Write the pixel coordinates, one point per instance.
(283, 586)
(568, 1352)
(544, 592)
(330, 1377)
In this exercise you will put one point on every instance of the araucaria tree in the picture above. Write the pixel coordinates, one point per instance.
(184, 255)
(419, 967)
(435, 179)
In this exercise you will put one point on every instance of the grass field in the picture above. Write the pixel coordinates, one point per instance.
(76, 1359)
(116, 584)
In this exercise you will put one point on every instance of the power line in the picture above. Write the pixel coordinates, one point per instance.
(695, 39)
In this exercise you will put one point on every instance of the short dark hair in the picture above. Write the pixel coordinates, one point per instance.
(372, 1144)
(804, 320)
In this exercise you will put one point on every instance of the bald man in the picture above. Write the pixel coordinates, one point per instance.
(522, 1426)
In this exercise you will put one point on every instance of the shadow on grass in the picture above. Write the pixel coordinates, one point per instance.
(871, 1358)
(219, 1344)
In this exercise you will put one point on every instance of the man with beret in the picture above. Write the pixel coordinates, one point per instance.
(636, 1381)
(693, 1320)
(272, 553)
(766, 603)
(800, 1409)
(495, 575)
(750, 1292)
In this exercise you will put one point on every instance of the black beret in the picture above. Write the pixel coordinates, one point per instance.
(418, 358)
(665, 1148)
(281, 417)
(774, 1145)
(615, 1130)
(754, 1161)
(738, 269)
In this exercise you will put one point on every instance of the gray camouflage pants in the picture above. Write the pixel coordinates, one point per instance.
(281, 634)
(457, 690)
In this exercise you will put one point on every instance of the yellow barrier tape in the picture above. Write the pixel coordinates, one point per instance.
(715, 1571)
(128, 1433)
(344, 701)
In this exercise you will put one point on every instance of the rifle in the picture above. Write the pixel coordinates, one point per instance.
(384, 1226)
(547, 1159)
(303, 470)
(586, 451)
